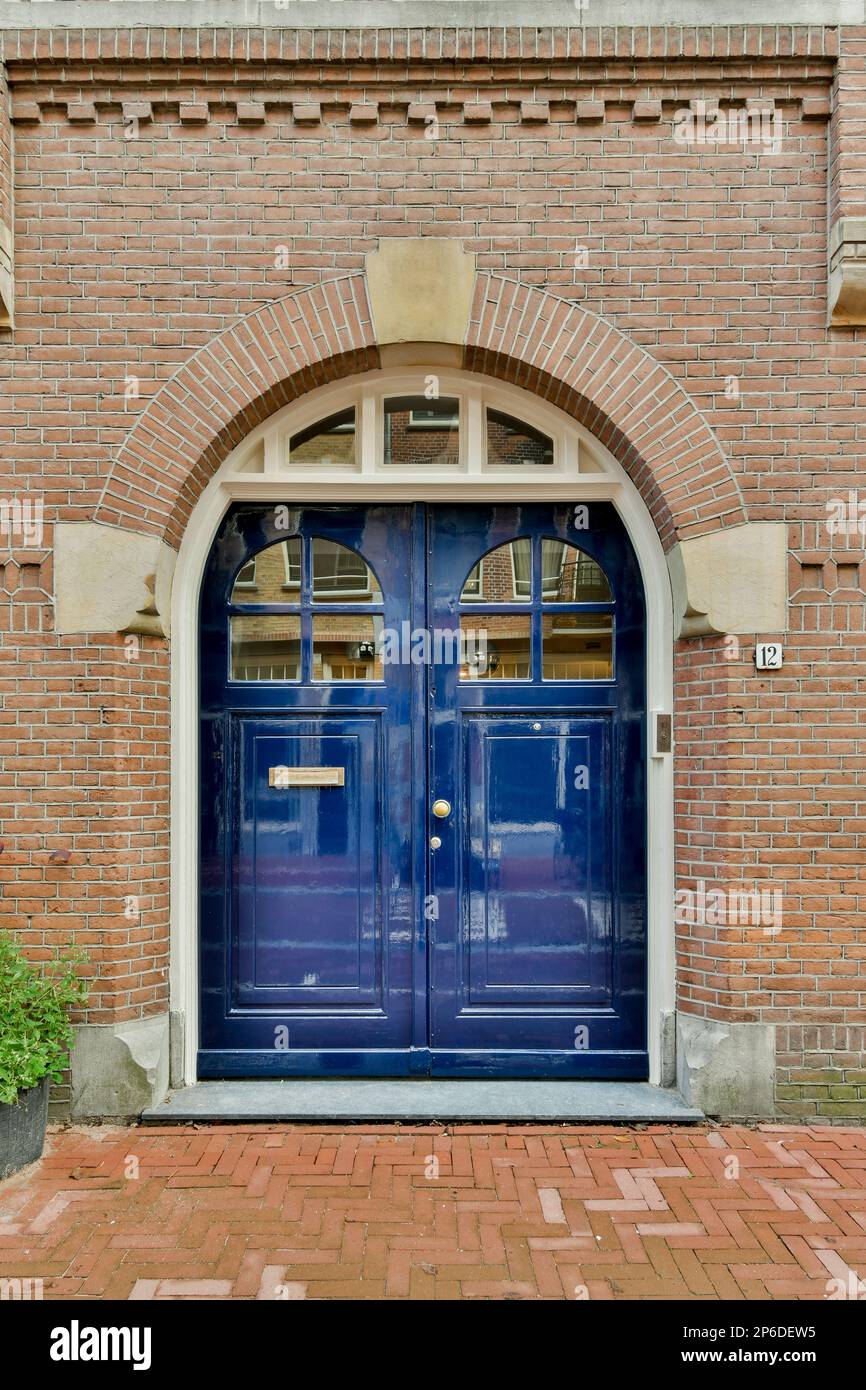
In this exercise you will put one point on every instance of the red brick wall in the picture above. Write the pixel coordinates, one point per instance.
(140, 236)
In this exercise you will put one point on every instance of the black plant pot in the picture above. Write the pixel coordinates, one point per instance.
(22, 1129)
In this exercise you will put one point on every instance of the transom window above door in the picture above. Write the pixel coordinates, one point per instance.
(433, 426)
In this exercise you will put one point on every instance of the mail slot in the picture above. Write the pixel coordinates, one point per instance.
(306, 776)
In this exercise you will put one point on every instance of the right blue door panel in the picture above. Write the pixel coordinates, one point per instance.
(538, 951)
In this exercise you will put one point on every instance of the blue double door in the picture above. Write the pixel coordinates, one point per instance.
(423, 815)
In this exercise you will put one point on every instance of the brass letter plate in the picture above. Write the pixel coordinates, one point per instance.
(306, 776)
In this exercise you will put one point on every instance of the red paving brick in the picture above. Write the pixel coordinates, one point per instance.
(466, 1211)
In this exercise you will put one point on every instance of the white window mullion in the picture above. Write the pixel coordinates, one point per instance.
(569, 460)
(274, 451)
(474, 428)
(368, 409)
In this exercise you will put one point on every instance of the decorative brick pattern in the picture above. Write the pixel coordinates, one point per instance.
(251, 112)
(307, 112)
(550, 105)
(287, 1212)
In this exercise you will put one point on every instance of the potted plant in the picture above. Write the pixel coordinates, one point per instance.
(35, 1036)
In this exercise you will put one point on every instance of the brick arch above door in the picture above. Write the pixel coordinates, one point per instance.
(527, 336)
(618, 391)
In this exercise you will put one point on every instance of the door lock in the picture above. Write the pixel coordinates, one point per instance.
(441, 809)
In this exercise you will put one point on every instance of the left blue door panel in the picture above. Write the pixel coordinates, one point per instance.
(309, 892)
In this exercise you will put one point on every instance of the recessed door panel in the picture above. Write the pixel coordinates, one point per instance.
(536, 863)
(309, 907)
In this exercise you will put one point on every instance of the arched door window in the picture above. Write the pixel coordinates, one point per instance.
(305, 610)
(566, 608)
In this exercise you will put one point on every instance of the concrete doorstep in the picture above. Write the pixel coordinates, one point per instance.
(352, 1101)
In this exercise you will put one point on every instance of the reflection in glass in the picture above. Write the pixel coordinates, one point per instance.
(501, 576)
(341, 575)
(266, 647)
(496, 649)
(577, 646)
(347, 647)
(569, 575)
(511, 441)
(419, 431)
(271, 576)
(329, 442)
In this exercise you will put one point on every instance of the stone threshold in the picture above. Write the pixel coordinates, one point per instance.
(374, 1102)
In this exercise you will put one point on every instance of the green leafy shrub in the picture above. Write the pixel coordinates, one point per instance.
(35, 1033)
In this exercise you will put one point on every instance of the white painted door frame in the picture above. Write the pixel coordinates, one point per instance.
(584, 472)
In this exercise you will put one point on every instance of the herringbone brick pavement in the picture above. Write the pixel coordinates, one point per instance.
(491, 1212)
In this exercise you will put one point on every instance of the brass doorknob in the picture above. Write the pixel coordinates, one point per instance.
(441, 809)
